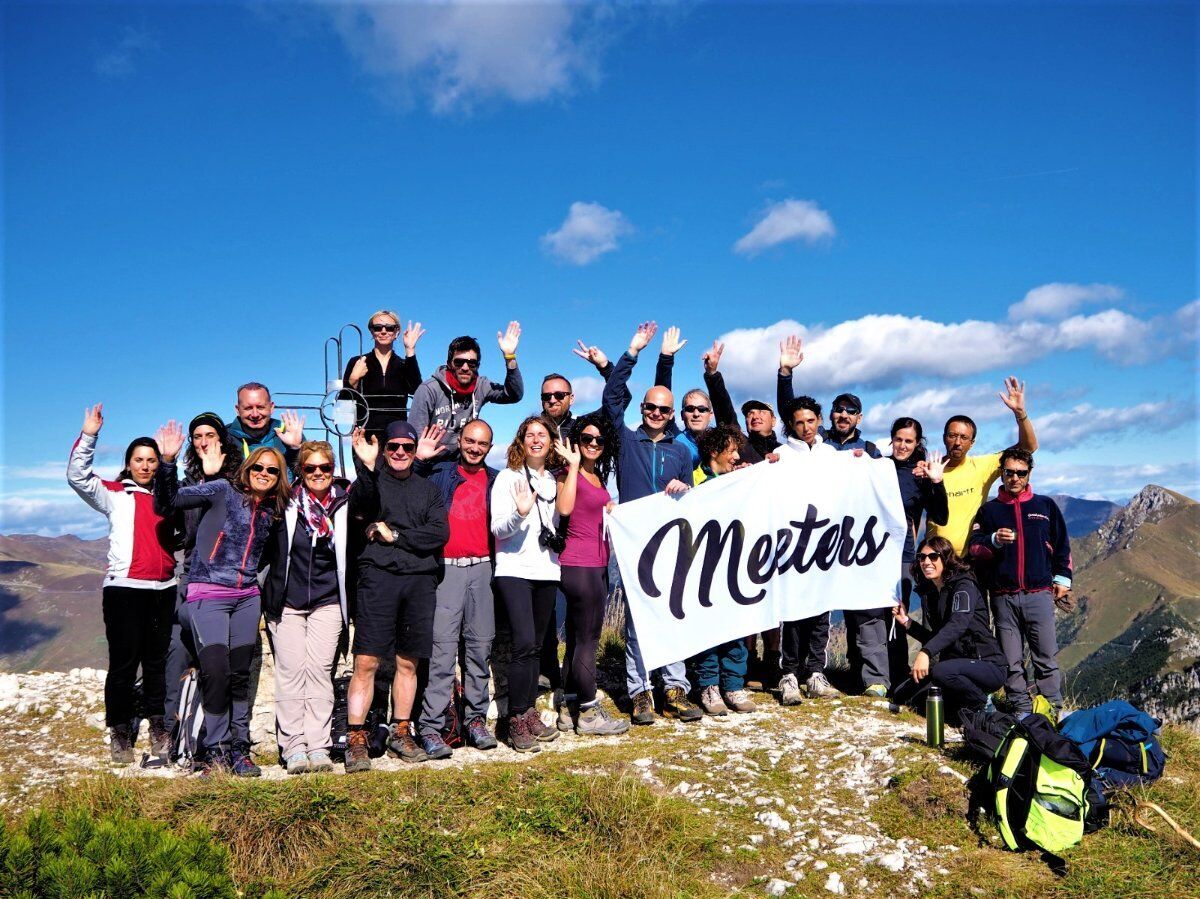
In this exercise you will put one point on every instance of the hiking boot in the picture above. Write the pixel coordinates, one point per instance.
(789, 690)
(677, 705)
(519, 737)
(120, 744)
(404, 746)
(643, 708)
(565, 721)
(435, 747)
(595, 722)
(740, 701)
(240, 763)
(319, 761)
(358, 752)
(710, 700)
(876, 691)
(818, 686)
(538, 728)
(478, 735)
(160, 738)
(298, 763)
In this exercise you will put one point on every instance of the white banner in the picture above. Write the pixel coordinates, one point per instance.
(770, 543)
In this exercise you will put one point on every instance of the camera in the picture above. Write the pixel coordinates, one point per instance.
(551, 540)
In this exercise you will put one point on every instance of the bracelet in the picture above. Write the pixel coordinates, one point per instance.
(509, 357)
(1023, 417)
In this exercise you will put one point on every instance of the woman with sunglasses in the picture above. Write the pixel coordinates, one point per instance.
(955, 630)
(139, 584)
(590, 452)
(923, 494)
(384, 381)
(524, 523)
(223, 597)
(304, 603)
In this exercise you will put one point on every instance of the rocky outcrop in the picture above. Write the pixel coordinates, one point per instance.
(1151, 505)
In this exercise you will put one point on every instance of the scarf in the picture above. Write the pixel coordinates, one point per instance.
(452, 383)
(312, 513)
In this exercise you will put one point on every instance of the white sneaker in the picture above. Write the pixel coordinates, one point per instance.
(710, 699)
(740, 701)
(297, 762)
(789, 690)
(818, 685)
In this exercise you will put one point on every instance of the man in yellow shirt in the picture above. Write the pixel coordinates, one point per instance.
(969, 479)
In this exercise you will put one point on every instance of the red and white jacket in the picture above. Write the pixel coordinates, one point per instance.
(139, 539)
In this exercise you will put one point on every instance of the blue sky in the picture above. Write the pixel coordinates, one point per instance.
(195, 196)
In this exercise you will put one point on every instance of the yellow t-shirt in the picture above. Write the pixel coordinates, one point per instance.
(967, 488)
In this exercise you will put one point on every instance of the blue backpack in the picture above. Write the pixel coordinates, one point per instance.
(1120, 743)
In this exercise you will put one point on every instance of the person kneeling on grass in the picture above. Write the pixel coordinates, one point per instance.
(725, 664)
(955, 631)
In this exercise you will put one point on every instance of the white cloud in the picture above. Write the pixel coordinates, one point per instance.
(1060, 430)
(588, 390)
(1115, 482)
(20, 514)
(786, 221)
(456, 54)
(1056, 300)
(587, 233)
(934, 405)
(121, 60)
(1112, 333)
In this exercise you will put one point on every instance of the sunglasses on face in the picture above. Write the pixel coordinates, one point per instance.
(396, 446)
(1016, 472)
(464, 362)
(694, 409)
(555, 395)
(259, 468)
(648, 408)
(591, 439)
(928, 557)
(323, 467)
(390, 329)
(846, 410)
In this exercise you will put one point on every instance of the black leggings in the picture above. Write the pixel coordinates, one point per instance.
(966, 683)
(137, 624)
(586, 590)
(530, 606)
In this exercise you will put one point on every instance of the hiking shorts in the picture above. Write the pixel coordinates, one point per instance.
(394, 609)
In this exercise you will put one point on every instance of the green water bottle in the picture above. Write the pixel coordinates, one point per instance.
(934, 722)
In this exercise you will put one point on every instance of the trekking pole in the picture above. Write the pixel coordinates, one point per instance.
(1141, 807)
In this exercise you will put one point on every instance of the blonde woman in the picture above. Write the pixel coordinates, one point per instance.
(222, 595)
(385, 381)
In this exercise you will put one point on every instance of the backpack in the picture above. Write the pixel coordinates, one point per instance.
(1040, 782)
(191, 720)
(1119, 742)
(452, 730)
(339, 726)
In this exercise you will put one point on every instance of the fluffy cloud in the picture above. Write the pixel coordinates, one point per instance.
(934, 405)
(20, 514)
(121, 60)
(786, 221)
(588, 391)
(1057, 300)
(1115, 482)
(588, 232)
(456, 54)
(1059, 430)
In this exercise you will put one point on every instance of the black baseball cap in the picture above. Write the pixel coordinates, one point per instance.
(751, 405)
(848, 399)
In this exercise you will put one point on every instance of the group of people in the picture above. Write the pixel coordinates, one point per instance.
(448, 572)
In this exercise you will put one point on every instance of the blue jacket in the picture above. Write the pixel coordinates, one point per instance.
(920, 496)
(644, 466)
(233, 529)
(784, 394)
(1037, 559)
(1114, 718)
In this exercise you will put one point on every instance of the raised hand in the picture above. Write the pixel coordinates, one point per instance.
(712, 357)
(93, 420)
(935, 466)
(509, 339)
(430, 444)
(523, 497)
(358, 371)
(170, 440)
(569, 451)
(1015, 396)
(412, 333)
(790, 353)
(592, 354)
(292, 432)
(671, 343)
(212, 457)
(366, 450)
(642, 336)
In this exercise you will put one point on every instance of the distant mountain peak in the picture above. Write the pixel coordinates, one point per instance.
(1151, 505)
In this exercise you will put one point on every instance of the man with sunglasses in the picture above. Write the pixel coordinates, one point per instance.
(651, 461)
(558, 395)
(397, 585)
(384, 381)
(457, 392)
(1021, 539)
(699, 407)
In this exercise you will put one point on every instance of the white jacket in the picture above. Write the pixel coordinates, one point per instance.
(518, 553)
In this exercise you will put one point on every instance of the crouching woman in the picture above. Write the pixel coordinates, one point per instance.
(955, 630)
(304, 603)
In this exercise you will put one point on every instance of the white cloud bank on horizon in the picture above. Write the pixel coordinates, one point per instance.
(786, 221)
(1057, 300)
(457, 54)
(588, 232)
